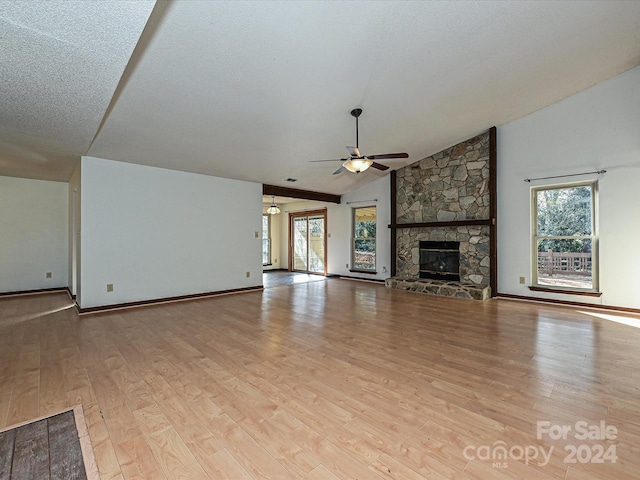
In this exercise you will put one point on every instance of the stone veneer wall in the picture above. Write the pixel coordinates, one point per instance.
(452, 185)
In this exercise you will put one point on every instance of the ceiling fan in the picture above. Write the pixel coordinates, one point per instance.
(357, 162)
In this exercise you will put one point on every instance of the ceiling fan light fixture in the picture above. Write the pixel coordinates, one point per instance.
(357, 165)
(273, 209)
(356, 162)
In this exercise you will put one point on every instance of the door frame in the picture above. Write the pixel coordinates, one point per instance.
(307, 213)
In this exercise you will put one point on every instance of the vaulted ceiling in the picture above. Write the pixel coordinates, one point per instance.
(254, 90)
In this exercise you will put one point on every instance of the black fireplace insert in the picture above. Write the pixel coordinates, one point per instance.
(440, 260)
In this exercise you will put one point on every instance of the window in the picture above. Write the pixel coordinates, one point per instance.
(364, 239)
(266, 240)
(564, 236)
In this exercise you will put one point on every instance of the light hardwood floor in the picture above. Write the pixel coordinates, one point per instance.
(328, 380)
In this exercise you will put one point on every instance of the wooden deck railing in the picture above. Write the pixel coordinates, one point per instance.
(569, 263)
(366, 260)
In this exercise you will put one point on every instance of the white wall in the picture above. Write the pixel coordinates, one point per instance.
(156, 233)
(597, 128)
(339, 218)
(74, 229)
(33, 234)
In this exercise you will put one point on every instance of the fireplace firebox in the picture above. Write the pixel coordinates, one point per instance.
(440, 260)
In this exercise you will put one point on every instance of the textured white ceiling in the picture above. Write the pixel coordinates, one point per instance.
(253, 90)
(61, 62)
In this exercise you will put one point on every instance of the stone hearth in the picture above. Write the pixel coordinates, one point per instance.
(438, 287)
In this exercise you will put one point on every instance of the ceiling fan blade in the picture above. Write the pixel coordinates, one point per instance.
(340, 170)
(388, 155)
(354, 152)
(331, 160)
(379, 166)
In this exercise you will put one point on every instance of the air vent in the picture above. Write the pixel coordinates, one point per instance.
(292, 179)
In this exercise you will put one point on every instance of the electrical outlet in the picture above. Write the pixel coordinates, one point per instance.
(384, 269)
(522, 280)
(109, 287)
(275, 260)
(328, 235)
(248, 274)
(49, 274)
(347, 265)
(257, 234)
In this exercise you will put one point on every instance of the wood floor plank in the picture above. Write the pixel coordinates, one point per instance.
(253, 457)
(335, 459)
(136, 460)
(169, 450)
(225, 467)
(192, 429)
(279, 445)
(5, 401)
(75, 375)
(388, 467)
(320, 473)
(106, 459)
(24, 403)
(120, 423)
(555, 468)
(53, 400)
(476, 470)
(327, 380)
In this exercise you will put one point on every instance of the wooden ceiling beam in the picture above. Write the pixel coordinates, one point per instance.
(277, 191)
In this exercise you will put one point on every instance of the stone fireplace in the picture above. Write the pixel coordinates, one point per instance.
(474, 261)
(447, 201)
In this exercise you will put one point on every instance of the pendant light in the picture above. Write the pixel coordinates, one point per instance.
(273, 209)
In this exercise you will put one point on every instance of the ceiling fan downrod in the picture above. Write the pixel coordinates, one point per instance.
(356, 113)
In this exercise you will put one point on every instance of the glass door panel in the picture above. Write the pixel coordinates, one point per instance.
(316, 244)
(300, 260)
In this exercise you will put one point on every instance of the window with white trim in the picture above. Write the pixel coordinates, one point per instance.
(266, 240)
(565, 241)
(363, 251)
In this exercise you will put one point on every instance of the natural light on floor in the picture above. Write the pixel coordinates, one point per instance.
(632, 322)
(32, 316)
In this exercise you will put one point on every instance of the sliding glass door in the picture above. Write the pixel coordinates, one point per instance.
(307, 242)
